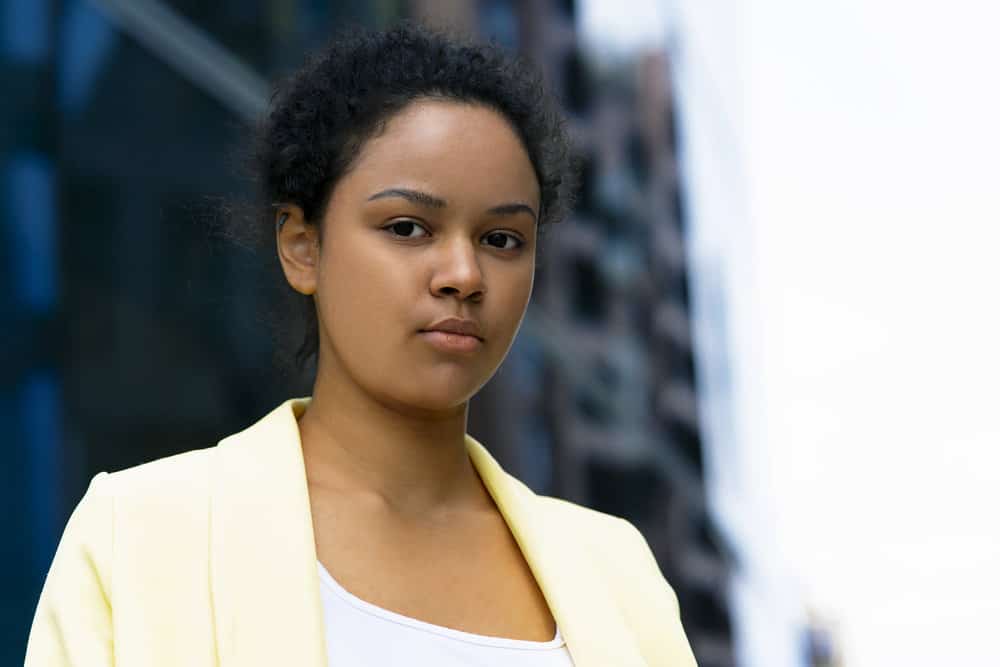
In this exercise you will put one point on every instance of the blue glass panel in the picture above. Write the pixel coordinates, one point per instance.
(87, 38)
(41, 415)
(24, 30)
(32, 222)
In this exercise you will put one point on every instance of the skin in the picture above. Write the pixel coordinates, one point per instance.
(399, 513)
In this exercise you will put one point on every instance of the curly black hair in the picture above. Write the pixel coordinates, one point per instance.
(321, 116)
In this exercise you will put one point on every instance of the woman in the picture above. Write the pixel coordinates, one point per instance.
(410, 174)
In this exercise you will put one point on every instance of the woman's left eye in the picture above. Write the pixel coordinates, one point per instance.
(502, 238)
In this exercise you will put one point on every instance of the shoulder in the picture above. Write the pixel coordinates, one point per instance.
(167, 493)
(178, 474)
(595, 526)
(129, 528)
(633, 577)
(602, 533)
(186, 472)
(616, 546)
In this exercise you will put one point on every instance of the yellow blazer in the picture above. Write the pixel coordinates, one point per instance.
(208, 558)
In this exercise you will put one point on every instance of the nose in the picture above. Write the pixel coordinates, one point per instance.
(457, 272)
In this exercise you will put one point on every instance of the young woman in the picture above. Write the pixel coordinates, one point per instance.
(409, 175)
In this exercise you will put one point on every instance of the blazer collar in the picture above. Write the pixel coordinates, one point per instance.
(265, 584)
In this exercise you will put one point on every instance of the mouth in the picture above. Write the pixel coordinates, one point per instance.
(447, 341)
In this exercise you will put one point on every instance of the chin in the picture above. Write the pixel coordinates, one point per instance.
(440, 395)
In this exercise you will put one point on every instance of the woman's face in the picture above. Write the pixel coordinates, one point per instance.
(437, 219)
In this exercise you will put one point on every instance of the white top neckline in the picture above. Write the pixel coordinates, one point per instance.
(327, 580)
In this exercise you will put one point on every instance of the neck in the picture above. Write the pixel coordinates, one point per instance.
(413, 462)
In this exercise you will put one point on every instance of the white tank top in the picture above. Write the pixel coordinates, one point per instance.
(360, 634)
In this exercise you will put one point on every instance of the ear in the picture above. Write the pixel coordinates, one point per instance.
(298, 248)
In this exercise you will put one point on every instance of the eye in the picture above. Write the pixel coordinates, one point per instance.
(405, 229)
(499, 240)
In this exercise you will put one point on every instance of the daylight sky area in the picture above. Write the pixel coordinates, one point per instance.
(841, 167)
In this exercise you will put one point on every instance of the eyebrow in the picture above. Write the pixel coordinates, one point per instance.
(430, 201)
(413, 196)
(512, 209)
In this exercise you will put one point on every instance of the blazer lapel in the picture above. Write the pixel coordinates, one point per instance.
(265, 584)
(595, 632)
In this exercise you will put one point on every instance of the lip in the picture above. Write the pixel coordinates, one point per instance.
(455, 325)
(447, 341)
(453, 334)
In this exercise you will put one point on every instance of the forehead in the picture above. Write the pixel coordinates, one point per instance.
(454, 149)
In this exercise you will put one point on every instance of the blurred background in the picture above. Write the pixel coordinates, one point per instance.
(768, 335)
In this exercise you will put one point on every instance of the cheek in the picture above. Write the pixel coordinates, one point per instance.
(362, 299)
(512, 302)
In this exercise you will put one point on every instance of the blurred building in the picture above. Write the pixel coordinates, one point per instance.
(30, 392)
(602, 376)
(133, 335)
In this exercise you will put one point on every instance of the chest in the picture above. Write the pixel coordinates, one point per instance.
(463, 572)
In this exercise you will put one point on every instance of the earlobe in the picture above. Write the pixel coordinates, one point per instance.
(298, 248)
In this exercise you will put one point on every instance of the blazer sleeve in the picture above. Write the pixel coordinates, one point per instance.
(662, 594)
(659, 626)
(72, 622)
